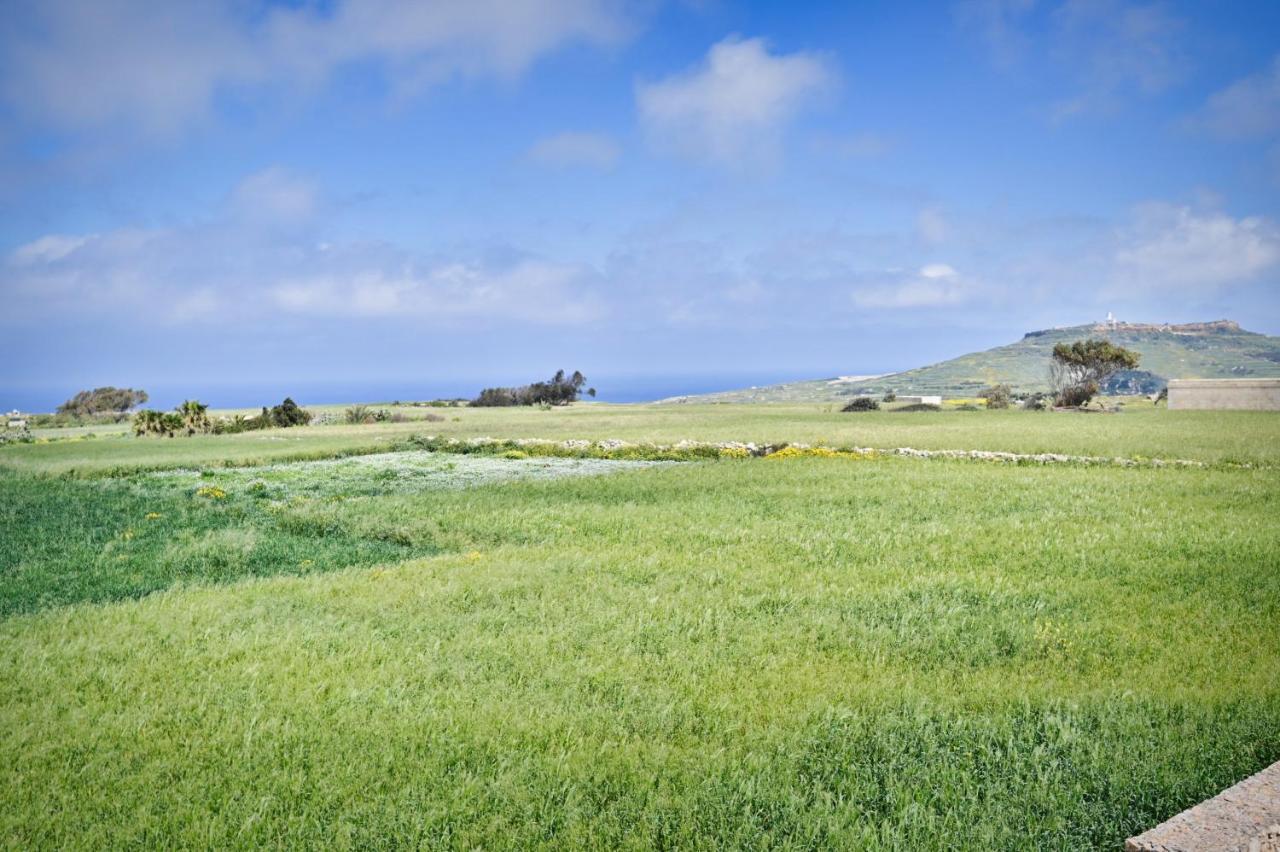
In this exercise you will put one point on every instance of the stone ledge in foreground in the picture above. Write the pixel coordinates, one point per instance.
(1243, 818)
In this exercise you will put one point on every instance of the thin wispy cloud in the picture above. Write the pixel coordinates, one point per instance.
(572, 150)
(1249, 108)
(1116, 50)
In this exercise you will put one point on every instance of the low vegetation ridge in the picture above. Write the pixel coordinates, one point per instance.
(1204, 350)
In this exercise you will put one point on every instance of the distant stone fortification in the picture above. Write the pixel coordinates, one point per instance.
(1223, 326)
(1222, 394)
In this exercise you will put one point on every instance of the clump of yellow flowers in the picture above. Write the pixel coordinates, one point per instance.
(820, 453)
(213, 492)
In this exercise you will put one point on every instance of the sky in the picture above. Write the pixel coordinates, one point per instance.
(351, 199)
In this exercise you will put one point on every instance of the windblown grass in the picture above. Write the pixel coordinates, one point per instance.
(806, 652)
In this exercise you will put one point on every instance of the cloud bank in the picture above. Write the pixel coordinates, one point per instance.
(159, 67)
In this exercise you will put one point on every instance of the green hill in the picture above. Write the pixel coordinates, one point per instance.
(1206, 350)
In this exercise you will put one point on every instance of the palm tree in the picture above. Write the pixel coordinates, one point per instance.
(194, 415)
(144, 422)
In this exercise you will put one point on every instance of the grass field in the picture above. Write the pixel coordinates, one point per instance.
(1210, 436)
(795, 653)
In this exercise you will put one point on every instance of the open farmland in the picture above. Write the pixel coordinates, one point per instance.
(206, 643)
(1142, 431)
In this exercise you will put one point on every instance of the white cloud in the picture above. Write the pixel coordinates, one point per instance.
(48, 248)
(932, 286)
(569, 150)
(932, 226)
(274, 196)
(937, 270)
(529, 289)
(732, 108)
(1247, 109)
(159, 66)
(1173, 248)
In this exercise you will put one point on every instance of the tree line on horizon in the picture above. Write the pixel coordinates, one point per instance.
(560, 390)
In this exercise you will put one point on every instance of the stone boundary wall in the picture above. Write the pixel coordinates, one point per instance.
(1224, 394)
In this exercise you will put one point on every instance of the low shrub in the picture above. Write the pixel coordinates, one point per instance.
(358, 414)
(920, 406)
(862, 403)
(889, 397)
(16, 436)
(997, 396)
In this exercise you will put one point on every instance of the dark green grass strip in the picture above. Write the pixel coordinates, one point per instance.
(66, 541)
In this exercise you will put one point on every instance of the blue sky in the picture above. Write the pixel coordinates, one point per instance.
(208, 197)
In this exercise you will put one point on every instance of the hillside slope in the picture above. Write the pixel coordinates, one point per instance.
(1207, 350)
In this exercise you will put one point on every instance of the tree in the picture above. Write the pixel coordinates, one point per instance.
(287, 413)
(997, 396)
(558, 391)
(194, 416)
(102, 401)
(1078, 369)
(162, 424)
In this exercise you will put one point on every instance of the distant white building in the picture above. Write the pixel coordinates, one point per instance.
(16, 419)
(920, 400)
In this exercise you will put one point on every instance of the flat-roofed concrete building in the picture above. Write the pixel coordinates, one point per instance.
(916, 400)
(1225, 394)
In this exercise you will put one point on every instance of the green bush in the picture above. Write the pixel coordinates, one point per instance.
(287, 414)
(862, 403)
(1036, 402)
(357, 414)
(997, 396)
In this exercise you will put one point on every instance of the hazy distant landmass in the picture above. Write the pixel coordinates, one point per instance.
(1202, 350)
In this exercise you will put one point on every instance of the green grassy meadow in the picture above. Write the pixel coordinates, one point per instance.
(425, 650)
(1141, 431)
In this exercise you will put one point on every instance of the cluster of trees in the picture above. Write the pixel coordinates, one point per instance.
(107, 400)
(560, 390)
(192, 417)
(1078, 369)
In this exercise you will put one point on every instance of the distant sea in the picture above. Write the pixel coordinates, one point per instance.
(620, 388)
